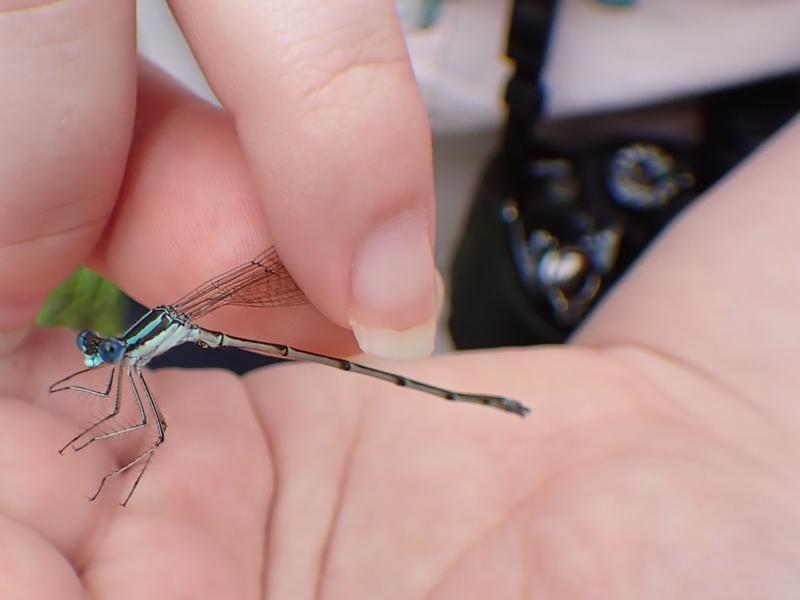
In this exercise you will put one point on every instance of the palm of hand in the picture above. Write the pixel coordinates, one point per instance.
(638, 480)
(638, 475)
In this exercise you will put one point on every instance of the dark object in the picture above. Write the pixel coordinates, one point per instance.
(562, 211)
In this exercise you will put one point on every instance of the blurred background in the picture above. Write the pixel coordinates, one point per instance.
(567, 135)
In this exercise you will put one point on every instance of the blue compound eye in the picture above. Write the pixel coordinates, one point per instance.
(87, 341)
(111, 351)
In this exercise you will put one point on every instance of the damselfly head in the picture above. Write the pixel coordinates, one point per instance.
(98, 350)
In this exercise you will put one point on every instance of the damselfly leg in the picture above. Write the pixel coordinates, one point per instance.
(88, 390)
(115, 412)
(135, 378)
(79, 388)
(144, 457)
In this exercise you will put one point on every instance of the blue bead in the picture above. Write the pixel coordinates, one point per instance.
(617, 2)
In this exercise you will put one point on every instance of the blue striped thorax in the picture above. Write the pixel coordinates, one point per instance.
(158, 330)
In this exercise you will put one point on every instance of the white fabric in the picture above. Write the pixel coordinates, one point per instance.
(602, 57)
(460, 64)
(605, 57)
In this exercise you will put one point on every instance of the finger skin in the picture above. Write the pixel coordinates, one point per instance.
(336, 138)
(68, 75)
(25, 555)
(303, 480)
(187, 212)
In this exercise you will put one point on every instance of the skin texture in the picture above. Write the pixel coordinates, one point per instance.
(660, 459)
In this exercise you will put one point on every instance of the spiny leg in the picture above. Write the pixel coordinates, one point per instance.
(144, 456)
(161, 424)
(79, 388)
(117, 405)
(147, 455)
(152, 402)
(104, 394)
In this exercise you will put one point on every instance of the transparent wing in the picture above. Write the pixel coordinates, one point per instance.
(263, 281)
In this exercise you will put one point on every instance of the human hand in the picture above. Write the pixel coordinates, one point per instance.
(658, 461)
(637, 476)
(323, 152)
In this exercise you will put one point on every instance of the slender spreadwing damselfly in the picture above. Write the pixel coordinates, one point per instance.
(261, 282)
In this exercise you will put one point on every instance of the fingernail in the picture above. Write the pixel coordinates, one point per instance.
(394, 303)
(11, 340)
(407, 344)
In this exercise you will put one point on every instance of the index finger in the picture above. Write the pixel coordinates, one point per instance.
(68, 80)
(337, 142)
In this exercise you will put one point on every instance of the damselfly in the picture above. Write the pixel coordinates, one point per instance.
(263, 281)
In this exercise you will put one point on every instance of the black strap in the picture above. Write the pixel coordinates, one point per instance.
(548, 202)
(528, 40)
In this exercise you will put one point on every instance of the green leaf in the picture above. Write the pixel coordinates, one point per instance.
(85, 301)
